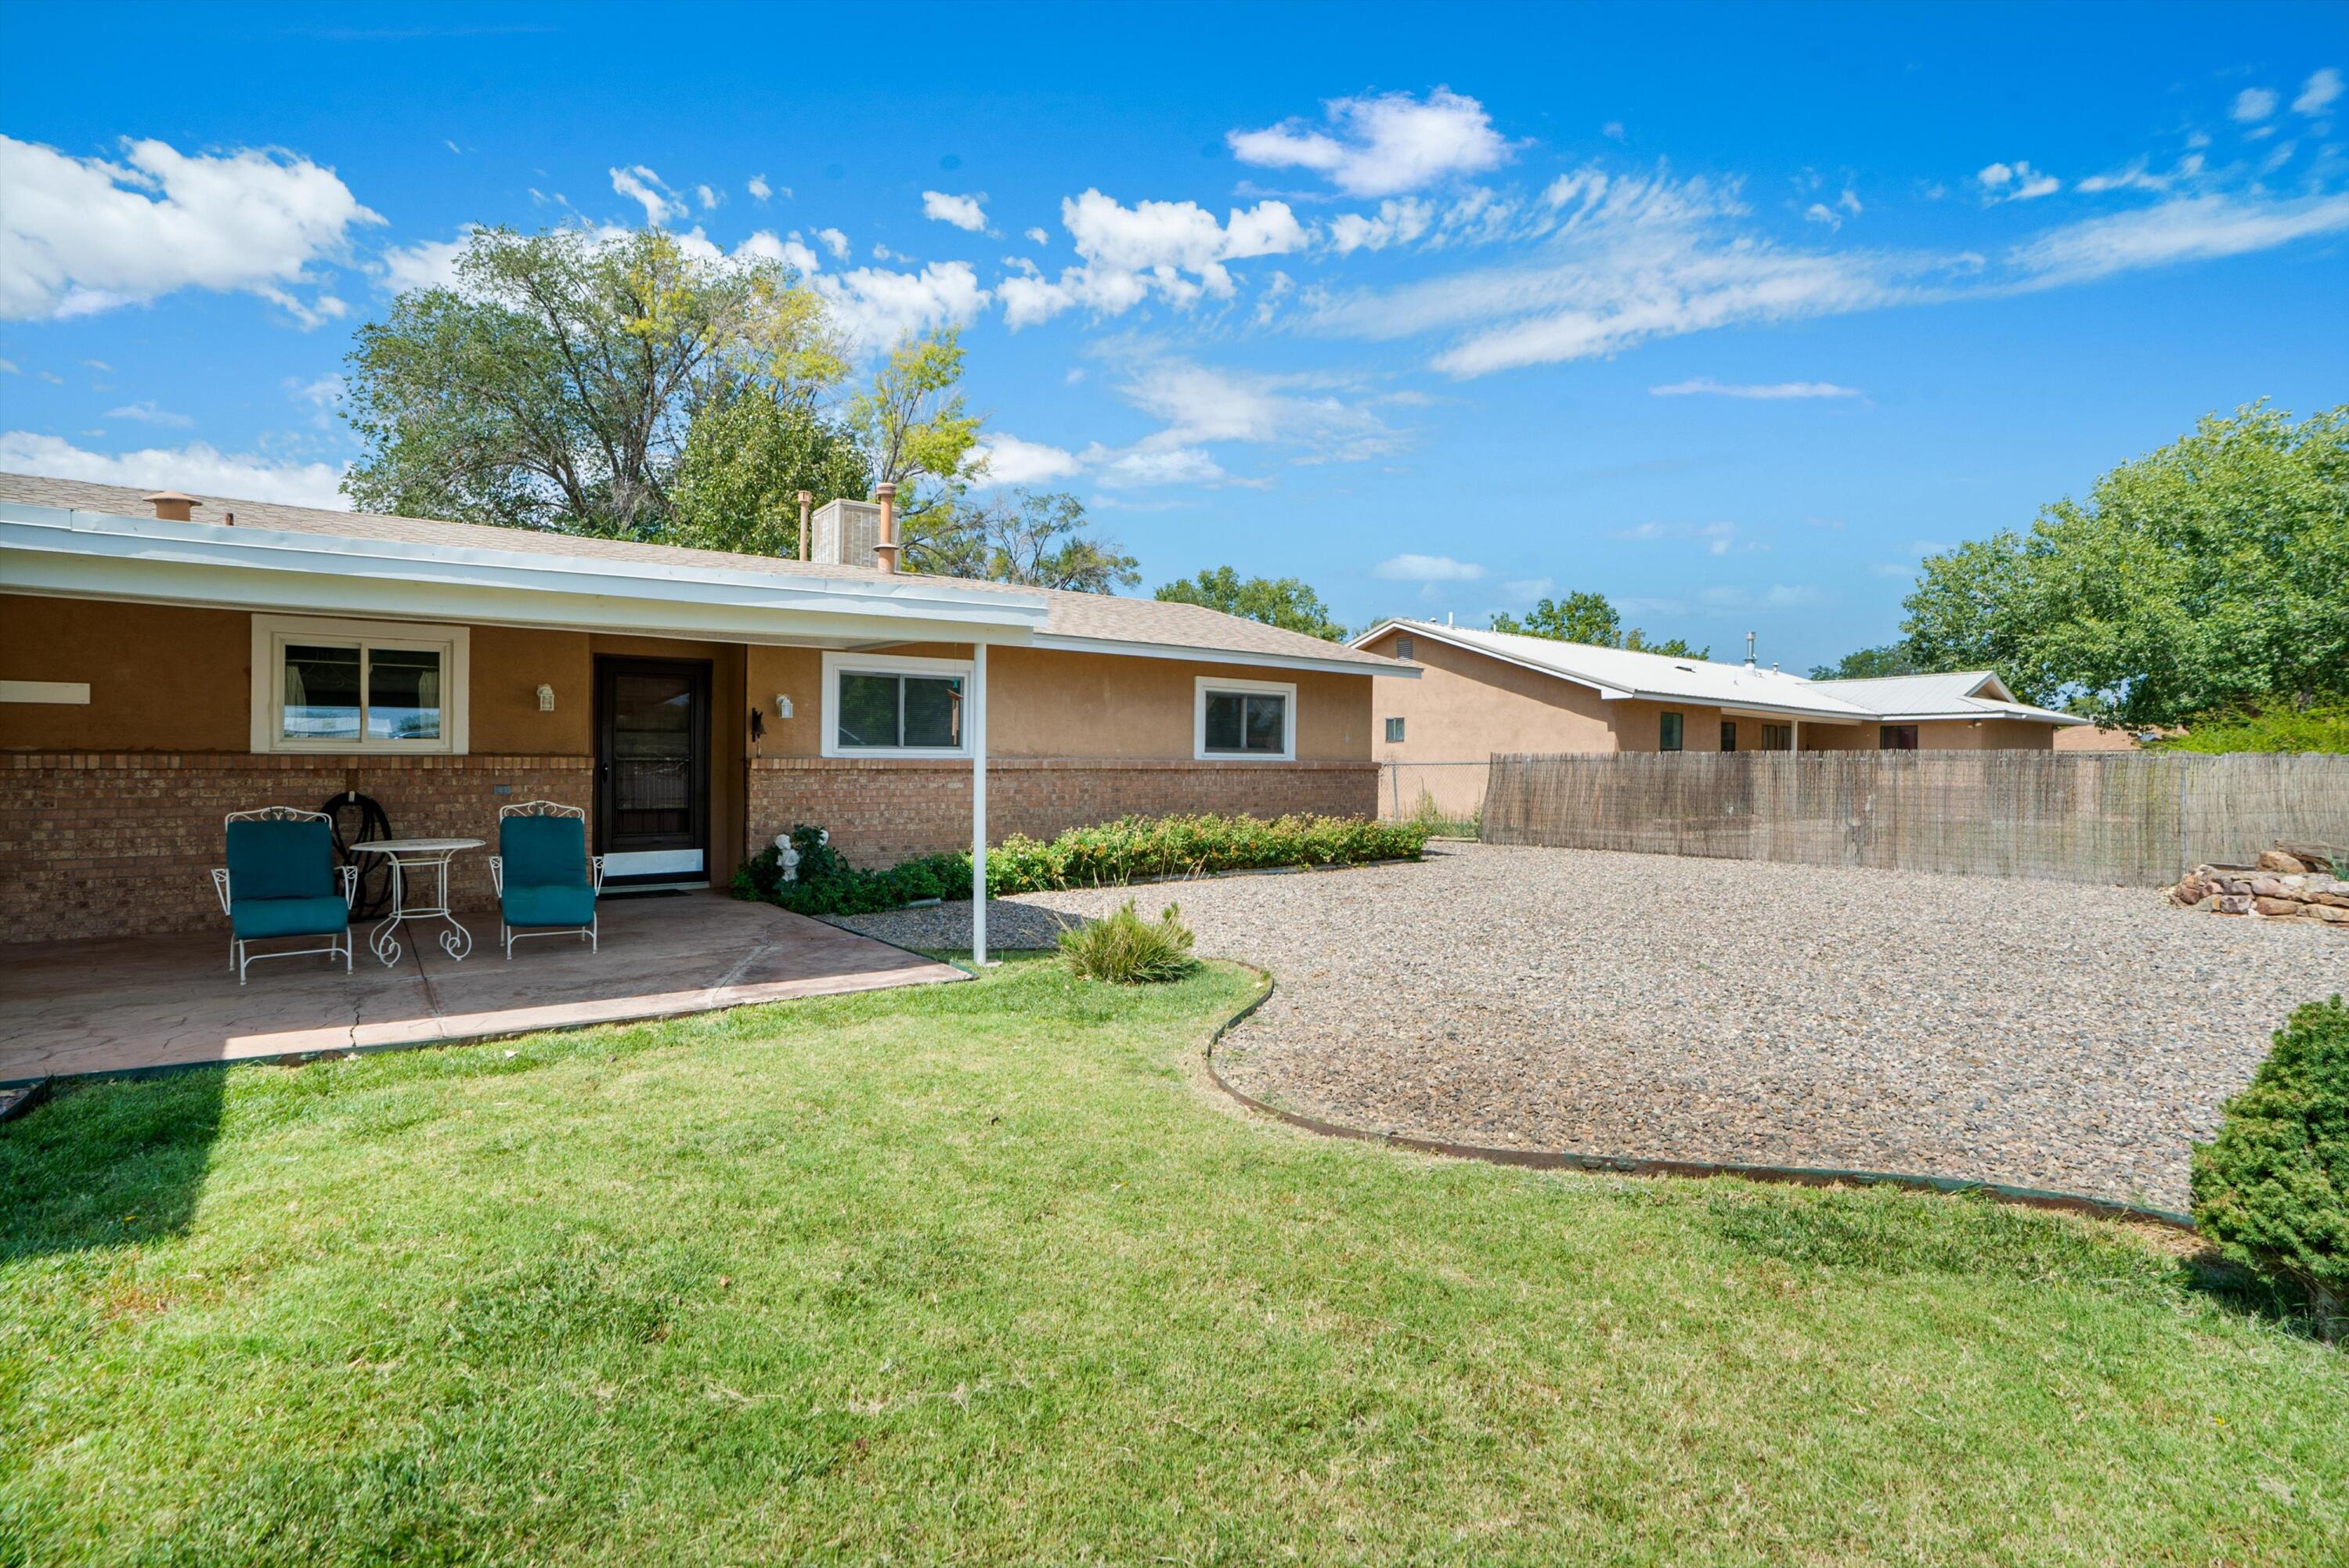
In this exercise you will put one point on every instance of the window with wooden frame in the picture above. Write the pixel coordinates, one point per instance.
(1729, 735)
(1777, 737)
(343, 686)
(1897, 738)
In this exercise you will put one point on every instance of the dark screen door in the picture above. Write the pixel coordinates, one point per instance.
(652, 769)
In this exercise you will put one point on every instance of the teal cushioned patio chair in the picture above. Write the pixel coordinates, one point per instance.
(547, 882)
(281, 881)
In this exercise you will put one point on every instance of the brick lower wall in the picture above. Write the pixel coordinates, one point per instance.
(882, 810)
(121, 843)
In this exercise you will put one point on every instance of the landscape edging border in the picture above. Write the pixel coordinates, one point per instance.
(1637, 1165)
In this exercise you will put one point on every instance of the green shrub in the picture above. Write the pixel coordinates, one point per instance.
(2278, 727)
(2272, 1190)
(1113, 853)
(1127, 950)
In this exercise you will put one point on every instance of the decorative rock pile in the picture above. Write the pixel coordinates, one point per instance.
(2292, 881)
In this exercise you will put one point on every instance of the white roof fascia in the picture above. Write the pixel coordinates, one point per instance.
(53, 549)
(1066, 644)
(1420, 628)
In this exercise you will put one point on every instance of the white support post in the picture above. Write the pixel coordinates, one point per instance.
(978, 805)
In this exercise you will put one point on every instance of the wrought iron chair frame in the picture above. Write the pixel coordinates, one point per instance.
(507, 934)
(238, 958)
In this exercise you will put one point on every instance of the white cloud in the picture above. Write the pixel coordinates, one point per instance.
(8, 367)
(2132, 178)
(640, 184)
(146, 413)
(2017, 182)
(1037, 236)
(1175, 249)
(1394, 223)
(1527, 587)
(1381, 146)
(1427, 569)
(1201, 404)
(1012, 462)
(709, 195)
(2254, 104)
(1144, 466)
(1820, 212)
(1613, 131)
(2317, 94)
(1630, 259)
(426, 264)
(1718, 538)
(966, 212)
(835, 242)
(1777, 596)
(2187, 228)
(100, 365)
(759, 188)
(1705, 386)
(876, 307)
(80, 235)
(767, 246)
(195, 467)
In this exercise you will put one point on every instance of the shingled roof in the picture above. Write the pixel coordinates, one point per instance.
(1093, 617)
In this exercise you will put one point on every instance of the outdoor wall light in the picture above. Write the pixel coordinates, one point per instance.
(783, 706)
(546, 700)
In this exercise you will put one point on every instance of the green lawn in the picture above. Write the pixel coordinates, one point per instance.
(977, 1273)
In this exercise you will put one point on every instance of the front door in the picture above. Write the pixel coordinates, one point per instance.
(652, 772)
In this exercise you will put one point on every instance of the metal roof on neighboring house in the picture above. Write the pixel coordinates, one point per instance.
(1623, 673)
(1959, 694)
(1079, 622)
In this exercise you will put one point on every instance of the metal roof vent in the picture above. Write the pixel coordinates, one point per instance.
(846, 533)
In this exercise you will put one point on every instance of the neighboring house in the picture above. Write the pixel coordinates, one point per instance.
(1486, 692)
(165, 660)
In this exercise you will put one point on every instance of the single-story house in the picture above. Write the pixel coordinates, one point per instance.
(1485, 692)
(166, 659)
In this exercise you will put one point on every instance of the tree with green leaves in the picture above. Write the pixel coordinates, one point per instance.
(2211, 573)
(1871, 664)
(918, 436)
(1037, 540)
(1284, 602)
(747, 458)
(555, 383)
(1589, 618)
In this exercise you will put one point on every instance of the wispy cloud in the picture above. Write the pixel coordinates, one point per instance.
(2188, 229)
(195, 467)
(1427, 569)
(1768, 391)
(965, 212)
(2318, 93)
(146, 413)
(2254, 104)
(2016, 181)
(641, 185)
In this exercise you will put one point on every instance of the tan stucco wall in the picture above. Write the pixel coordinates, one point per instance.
(1043, 703)
(2092, 738)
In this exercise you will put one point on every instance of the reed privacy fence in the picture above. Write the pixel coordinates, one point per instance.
(2060, 816)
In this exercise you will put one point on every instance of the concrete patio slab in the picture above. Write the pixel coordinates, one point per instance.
(132, 1005)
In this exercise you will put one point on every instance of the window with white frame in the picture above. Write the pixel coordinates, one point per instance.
(1395, 731)
(358, 685)
(877, 706)
(1239, 720)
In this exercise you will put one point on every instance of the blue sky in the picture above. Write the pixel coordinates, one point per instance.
(1729, 312)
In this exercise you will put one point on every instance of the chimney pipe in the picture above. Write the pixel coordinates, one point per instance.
(1749, 650)
(887, 550)
(171, 506)
(806, 501)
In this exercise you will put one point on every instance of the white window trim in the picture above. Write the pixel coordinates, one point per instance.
(271, 633)
(836, 665)
(1205, 684)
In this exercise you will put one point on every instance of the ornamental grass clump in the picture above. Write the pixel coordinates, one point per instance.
(2272, 1190)
(1127, 950)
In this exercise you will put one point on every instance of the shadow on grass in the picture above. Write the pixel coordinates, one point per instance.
(108, 1164)
(1905, 1233)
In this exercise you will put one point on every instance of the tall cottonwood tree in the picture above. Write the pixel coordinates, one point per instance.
(555, 383)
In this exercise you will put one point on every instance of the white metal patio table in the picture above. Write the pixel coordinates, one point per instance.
(420, 856)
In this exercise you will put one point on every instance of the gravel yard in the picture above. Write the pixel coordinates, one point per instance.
(2042, 1034)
